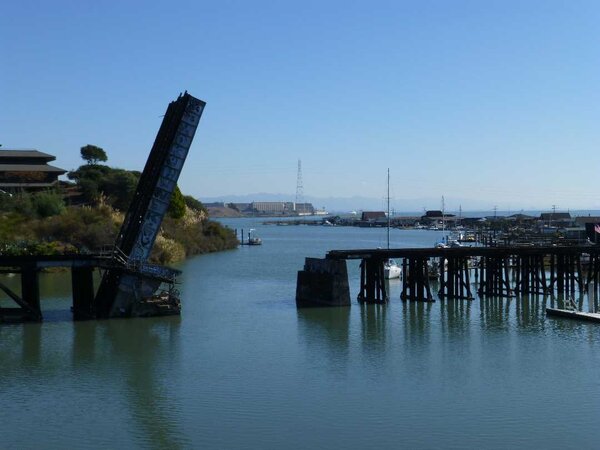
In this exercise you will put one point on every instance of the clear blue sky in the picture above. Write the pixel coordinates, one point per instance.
(493, 102)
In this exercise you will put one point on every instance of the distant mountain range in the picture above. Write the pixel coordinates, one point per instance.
(358, 203)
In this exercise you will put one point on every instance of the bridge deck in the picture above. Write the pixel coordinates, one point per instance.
(460, 251)
(43, 261)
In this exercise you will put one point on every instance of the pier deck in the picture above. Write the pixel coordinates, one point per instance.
(433, 252)
(500, 271)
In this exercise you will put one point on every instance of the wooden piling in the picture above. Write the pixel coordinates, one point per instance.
(82, 283)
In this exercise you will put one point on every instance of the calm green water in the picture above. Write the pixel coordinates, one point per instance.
(242, 368)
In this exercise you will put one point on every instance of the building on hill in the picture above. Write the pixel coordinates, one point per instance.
(27, 170)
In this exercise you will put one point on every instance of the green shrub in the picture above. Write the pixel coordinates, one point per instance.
(177, 206)
(14, 227)
(41, 204)
(85, 228)
(48, 204)
(194, 204)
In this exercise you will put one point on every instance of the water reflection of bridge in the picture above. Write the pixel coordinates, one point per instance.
(134, 358)
(374, 330)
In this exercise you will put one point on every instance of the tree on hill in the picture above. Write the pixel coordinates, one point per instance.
(93, 154)
(118, 185)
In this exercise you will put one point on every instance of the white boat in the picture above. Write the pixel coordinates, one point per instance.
(390, 268)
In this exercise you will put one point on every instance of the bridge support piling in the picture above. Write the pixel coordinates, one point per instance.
(372, 282)
(30, 291)
(530, 275)
(494, 277)
(82, 282)
(580, 280)
(415, 280)
(593, 268)
(456, 282)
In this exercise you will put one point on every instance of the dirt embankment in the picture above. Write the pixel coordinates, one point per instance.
(223, 211)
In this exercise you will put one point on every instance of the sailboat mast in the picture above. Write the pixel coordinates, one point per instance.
(443, 216)
(388, 208)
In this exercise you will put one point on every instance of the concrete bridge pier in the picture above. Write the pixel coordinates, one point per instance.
(323, 282)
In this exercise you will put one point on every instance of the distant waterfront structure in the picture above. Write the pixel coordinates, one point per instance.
(276, 208)
(299, 191)
(282, 208)
(27, 170)
(268, 208)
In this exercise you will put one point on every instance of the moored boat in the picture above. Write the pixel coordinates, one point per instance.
(391, 269)
(253, 240)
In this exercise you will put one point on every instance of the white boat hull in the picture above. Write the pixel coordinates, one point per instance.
(391, 271)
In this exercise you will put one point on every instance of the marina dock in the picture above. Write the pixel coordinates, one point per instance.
(570, 314)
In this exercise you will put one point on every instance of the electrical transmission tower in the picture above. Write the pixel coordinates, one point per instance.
(299, 190)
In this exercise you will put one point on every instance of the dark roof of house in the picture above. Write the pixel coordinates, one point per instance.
(520, 217)
(30, 168)
(587, 219)
(25, 154)
(369, 215)
(555, 216)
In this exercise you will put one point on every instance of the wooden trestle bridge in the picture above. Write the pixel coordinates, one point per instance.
(493, 271)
